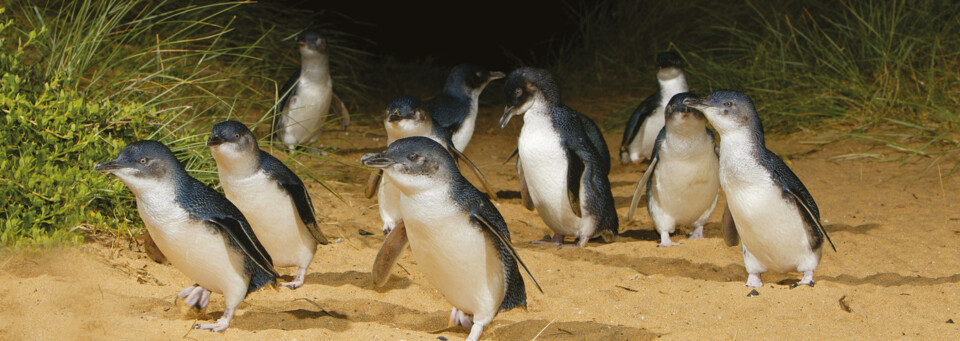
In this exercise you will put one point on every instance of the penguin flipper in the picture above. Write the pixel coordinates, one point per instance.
(373, 183)
(301, 199)
(241, 234)
(575, 173)
(524, 191)
(639, 192)
(389, 252)
(476, 171)
(729, 228)
(812, 218)
(644, 110)
(288, 90)
(337, 106)
(503, 240)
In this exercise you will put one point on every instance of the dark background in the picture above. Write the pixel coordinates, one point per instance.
(495, 33)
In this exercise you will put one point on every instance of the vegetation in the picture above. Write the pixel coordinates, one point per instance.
(857, 64)
(81, 79)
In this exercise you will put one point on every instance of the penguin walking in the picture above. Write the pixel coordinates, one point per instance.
(682, 185)
(455, 109)
(199, 231)
(558, 164)
(308, 96)
(407, 116)
(271, 197)
(776, 219)
(458, 238)
(647, 120)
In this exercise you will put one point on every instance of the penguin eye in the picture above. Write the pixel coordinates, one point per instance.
(728, 104)
(517, 92)
(142, 161)
(236, 136)
(479, 74)
(412, 156)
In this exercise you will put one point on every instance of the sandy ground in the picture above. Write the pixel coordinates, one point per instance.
(896, 226)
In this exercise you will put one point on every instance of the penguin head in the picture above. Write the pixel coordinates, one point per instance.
(413, 164)
(680, 116)
(670, 65)
(231, 141)
(728, 111)
(312, 43)
(406, 108)
(470, 79)
(525, 86)
(143, 165)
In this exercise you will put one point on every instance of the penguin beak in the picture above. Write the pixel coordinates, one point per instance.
(378, 160)
(695, 103)
(508, 113)
(497, 75)
(108, 166)
(214, 141)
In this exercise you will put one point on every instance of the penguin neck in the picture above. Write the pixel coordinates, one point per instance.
(670, 86)
(740, 143)
(540, 109)
(315, 68)
(687, 138)
(237, 165)
(407, 128)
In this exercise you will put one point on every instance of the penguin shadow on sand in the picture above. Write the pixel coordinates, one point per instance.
(337, 315)
(358, 279)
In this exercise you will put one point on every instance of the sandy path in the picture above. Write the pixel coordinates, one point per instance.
(897, 229)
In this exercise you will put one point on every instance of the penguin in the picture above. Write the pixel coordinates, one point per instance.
(270, 195)
(458, 238)
(558, 165)
(406, 116)
(308, 96)
(455, 109)
(647, 120)
(774, 216)
(202, 234)
(682, 185)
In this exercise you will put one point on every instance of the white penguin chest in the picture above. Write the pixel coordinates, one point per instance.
(686, 182)
(461, 137)
(272, 215)
(198, 250)
(456, 256)
(306, 110)
(769, 224)
(544, 162)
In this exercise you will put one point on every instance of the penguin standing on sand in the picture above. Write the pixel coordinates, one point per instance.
(201, 232)
(270, 195)
(647, 120)
(308, 96)
(559, 166)
(458, 238)
(406, 116)
(776, 219)
(455, 109)
(682, 183)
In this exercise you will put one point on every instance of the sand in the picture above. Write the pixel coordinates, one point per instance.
(896, 227)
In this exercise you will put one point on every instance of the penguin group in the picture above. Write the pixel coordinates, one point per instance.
(231, 243)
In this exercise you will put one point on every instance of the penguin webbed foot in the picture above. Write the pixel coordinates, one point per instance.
(807, 280)
(557, 241)
(222, 323)
(753, 281)
(195, 296)
(697, 233)
(459, 318)
(297, 281)
(665, 240)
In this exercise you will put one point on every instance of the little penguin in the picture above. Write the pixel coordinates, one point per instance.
(308, 96)
(199, 231)
(270, 195)
(455, 109)
(458, 238)
(682, 185)
(407, 116)
(775, 217)
(647, 120)
(559, 165)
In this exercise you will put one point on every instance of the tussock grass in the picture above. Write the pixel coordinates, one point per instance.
(81, 79)
(848, 65)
